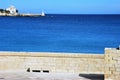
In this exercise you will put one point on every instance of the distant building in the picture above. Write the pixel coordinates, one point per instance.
(12, 10)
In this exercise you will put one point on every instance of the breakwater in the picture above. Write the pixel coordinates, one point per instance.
(24, 15)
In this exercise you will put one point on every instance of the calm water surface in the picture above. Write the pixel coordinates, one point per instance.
(60, 33)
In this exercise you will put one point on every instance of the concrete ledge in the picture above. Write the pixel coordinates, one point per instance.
(49, 54)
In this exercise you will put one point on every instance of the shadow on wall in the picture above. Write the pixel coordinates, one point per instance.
(93, 76)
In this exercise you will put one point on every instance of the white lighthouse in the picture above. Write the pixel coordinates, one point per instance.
(42, 14)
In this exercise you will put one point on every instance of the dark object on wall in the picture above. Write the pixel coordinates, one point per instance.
(46, 71)
(28, 70)
(36, 71)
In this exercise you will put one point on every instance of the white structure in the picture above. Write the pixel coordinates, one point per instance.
(12, 10)
(42, 14)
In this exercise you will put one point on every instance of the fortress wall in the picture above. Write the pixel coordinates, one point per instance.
(54, 62)
(112, 64)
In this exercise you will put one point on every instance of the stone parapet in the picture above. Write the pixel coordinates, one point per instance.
(107, 64)
(48, 54)
(53, 62)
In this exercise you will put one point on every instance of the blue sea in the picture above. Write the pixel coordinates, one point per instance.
(60, 33)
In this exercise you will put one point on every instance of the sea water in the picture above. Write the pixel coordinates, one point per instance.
(60, 33)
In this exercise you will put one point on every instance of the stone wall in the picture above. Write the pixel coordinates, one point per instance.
(112, 64)
(59, 62)
(107, 64)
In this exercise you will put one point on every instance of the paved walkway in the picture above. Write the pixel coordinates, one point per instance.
(42, 76)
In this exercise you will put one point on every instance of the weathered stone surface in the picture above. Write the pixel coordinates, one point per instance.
(54, 62)
(112, 66)
(108, 63)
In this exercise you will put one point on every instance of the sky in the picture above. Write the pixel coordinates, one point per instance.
(64, 6)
